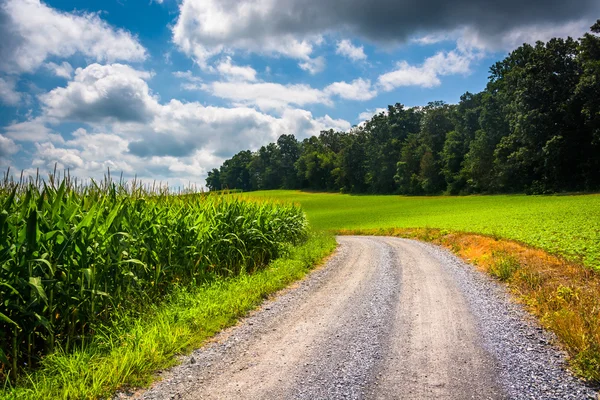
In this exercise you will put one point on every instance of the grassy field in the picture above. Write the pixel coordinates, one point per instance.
(564, 225)
(555, 288)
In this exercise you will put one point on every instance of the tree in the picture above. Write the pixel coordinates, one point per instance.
(587, 97)
(289, 151)
(535, 129)
(234, 173)
(213, 180)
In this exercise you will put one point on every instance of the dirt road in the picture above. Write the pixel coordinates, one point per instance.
(387, 318)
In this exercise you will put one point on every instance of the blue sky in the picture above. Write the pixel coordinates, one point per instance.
(166, 90)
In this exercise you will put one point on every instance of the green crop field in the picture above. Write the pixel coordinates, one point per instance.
(71, 257)
(564, 225)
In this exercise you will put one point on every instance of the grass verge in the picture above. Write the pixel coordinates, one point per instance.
(562, 294)
(129, 353)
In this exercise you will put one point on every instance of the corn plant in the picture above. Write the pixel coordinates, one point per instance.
(73, 254)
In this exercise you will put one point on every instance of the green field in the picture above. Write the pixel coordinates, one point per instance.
(564, 225)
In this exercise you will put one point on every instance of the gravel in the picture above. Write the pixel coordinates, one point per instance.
(330, 335)
(529, 365)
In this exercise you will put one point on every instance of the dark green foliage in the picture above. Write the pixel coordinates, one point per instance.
(72, 256)
(534, 129)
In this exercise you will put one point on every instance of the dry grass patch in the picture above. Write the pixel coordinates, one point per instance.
(564, 295)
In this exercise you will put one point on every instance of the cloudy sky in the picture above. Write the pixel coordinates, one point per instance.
(168, 89)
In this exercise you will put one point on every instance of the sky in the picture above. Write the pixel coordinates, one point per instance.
(166, 90)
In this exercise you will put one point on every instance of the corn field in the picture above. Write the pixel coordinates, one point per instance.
(72, 255)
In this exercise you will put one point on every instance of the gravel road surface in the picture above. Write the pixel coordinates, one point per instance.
(386, 318)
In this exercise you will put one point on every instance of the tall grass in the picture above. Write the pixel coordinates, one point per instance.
(72, 254)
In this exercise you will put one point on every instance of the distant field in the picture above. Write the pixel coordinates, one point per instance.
(564, 225)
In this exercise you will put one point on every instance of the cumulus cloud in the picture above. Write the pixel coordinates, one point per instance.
(7, 147)
(90, 154)
(32, 130)
(183, 142)
(313, 65)
(138, 134)
(268, 95)
(206, 28)
(292, 27)
(347, 49)
(305, 125)
(179, 129)
(428, 74)
(235, 72)
(64, 70)
(8, 93)
(358, 89)
(101, 93)
(369, 113)
(31, 32)
(191, 82)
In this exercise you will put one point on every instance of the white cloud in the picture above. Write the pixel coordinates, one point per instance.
(267, 95)
(174, 141)
(369, 113)
(181, 144)
(8, 93)
(302, 123)
(435, 37)
(358, 89)
(48, 155)
(32, 31)
(347, 49)
(7, 147)
(326, 123)
(235, 72)
(313, 65)
(428, 74)
(102, 92)
(449, 63)
(192, 82)
(206, 28)
(187, 75)
(64, 70)
(408, 75)
(32, 130)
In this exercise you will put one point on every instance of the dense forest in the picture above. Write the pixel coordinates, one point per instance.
(534, 129)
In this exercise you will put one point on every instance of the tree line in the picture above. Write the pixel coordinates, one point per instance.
(534, 129)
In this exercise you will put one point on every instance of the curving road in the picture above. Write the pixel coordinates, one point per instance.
(386, 318)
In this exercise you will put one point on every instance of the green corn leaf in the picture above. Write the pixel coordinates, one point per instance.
(44, 261)
(58, 199)
(87, 220)
(10, 198)
(132, 261)
(36, 283)
(109, 220)
(10, 321)
(50, 235)
(44, 322)
(32, 229)
(14, 291)
(3, 219)
(87, 274)
(25, 204)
